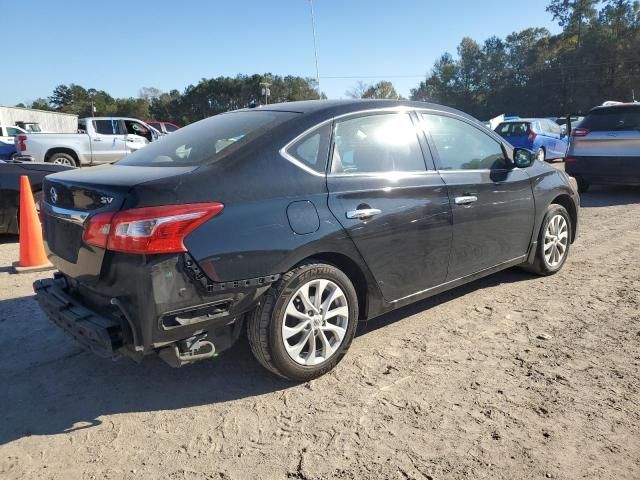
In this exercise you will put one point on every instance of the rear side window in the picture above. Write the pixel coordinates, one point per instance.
(170, 127)
(208, 140)
(615, 119)
(513, 129)
(13, 132)
(377, 143)
(107, 127)
(313, 149)
(462, 146)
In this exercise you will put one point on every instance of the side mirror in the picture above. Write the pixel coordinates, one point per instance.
(523, 158)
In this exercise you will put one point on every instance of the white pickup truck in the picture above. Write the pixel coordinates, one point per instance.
(100, 140)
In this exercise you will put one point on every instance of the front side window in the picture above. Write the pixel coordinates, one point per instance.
(377, 143)
(462, 146)
(170, 127)
(313, 149)
(107, 127)
(136, 128)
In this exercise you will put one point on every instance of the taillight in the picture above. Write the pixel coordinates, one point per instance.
(149, 229)
(532, 135)
(580, 132)
(97, 229)
(22, 146)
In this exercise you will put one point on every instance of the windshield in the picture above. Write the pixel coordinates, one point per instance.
(207, 140)
(615, 119)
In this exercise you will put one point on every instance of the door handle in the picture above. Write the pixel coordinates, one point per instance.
(363, 213)
(466, 200)
(97, 139)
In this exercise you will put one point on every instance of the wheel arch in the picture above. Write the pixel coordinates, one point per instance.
(352, 270)
(565, 201)
(66, 150)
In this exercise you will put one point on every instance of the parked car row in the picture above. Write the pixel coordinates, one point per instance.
(101, 140)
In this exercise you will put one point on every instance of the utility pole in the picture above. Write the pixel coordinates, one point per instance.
(266, 91)
(315, 47)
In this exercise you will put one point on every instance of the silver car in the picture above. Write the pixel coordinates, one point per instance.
(605, 147)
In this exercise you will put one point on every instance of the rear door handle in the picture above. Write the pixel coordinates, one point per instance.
(97, 139)
(363, 213)
(466, 200)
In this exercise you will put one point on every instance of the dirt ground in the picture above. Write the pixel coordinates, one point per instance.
(511, 377)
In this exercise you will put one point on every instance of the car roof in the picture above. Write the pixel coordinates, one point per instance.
(520, 120)
(343, 106)
(619, 106)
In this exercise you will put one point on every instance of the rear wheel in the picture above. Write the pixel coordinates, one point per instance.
(62, 159)
(305, 323)
(554, 241)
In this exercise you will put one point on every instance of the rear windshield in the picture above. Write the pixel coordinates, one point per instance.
(208, 140)
(615, 119)
(512, 129)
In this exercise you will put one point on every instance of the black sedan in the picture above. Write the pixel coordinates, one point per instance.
(10, 172)
(297, 221)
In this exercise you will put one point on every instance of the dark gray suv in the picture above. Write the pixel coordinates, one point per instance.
(605, 147)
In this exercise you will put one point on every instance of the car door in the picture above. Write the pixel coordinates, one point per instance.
(395, 210)
(492, 203)
(555, 149)
(107, 141)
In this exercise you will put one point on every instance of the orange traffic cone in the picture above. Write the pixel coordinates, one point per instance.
(32, 256)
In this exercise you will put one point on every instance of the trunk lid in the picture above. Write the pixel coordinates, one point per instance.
(70, 197)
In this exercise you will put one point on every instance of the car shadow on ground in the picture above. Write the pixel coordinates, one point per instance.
(52, 386)
(609, 196)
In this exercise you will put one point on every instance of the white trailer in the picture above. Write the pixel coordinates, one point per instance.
(50, 122)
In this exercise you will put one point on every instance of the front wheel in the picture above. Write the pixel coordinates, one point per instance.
(305, 323)
(554, 241)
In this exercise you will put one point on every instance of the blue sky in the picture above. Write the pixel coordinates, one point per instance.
(120, 46)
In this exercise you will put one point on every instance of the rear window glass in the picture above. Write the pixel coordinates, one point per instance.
(612, 120)
(208, 140)
(513, 129)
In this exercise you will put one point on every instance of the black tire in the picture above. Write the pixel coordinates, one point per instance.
(540, 265)
(264, 327)
(63, 158)
(582, 185)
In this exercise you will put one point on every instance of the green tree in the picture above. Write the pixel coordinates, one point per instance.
(383, 89)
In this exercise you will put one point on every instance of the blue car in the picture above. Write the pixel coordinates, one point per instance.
(7, 151)
(539, 135)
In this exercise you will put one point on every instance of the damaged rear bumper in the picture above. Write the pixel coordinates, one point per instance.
(99, 334)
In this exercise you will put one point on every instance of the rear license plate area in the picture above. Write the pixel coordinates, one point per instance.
(63, 238)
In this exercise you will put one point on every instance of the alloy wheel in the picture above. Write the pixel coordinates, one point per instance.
(63, 161)
(556, 239)
(315, 322)
(541, 155)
